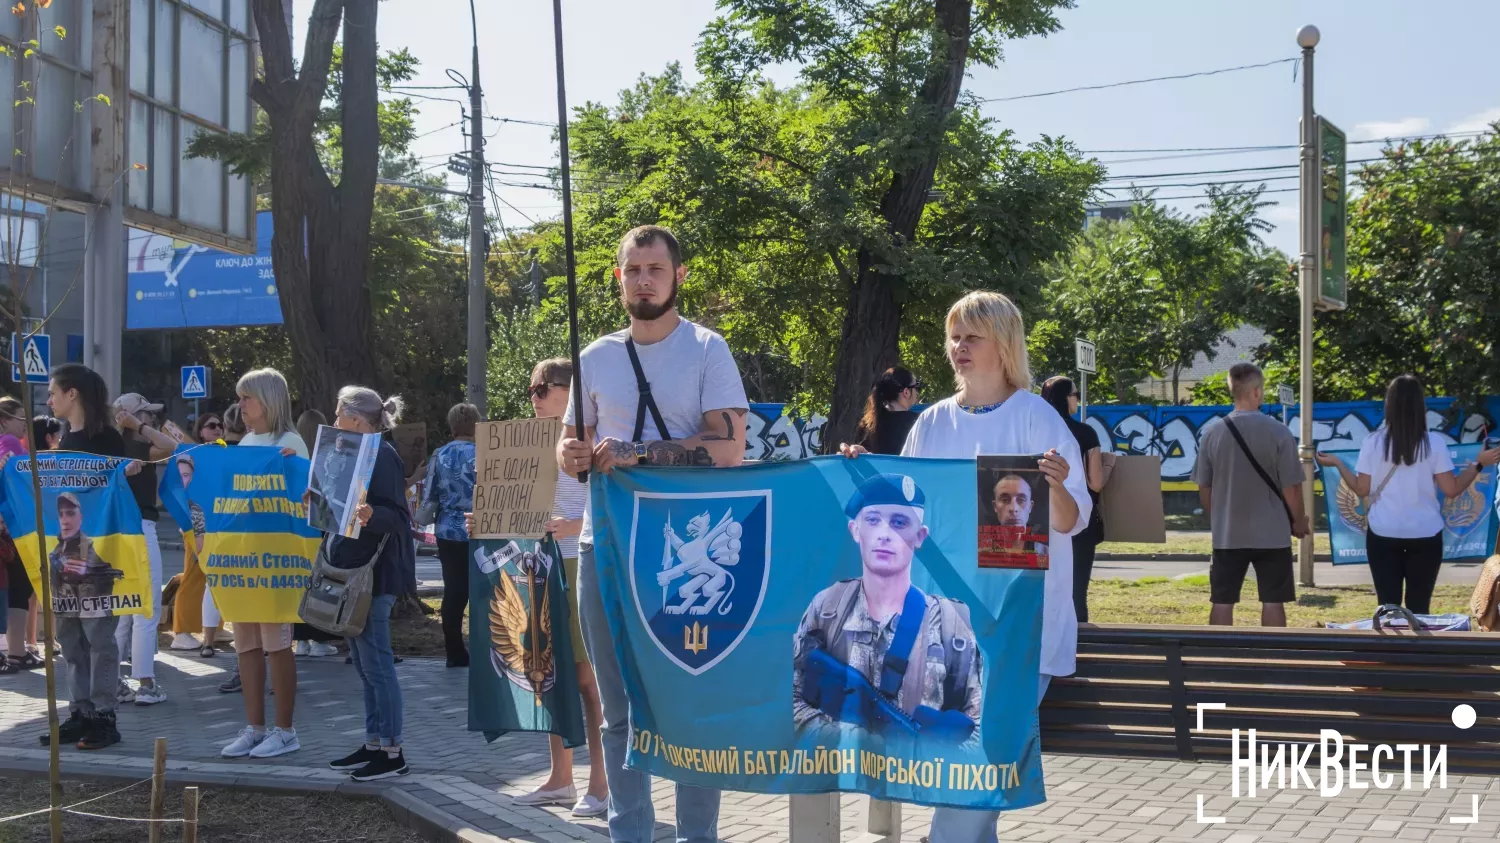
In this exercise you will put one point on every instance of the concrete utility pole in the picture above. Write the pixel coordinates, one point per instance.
(1307, 39)
(477, 299)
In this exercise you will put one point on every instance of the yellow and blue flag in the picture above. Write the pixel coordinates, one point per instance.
(95, 552)
(258, 549)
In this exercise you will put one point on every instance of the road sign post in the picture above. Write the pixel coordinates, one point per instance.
(195, 385)
(34, 353)
(1286, 396)
(1084, 351)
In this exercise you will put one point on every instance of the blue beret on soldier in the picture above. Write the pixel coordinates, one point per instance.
(886, 490)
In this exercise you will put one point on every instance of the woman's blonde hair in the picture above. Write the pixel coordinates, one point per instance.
(268, 386)
(996, 316)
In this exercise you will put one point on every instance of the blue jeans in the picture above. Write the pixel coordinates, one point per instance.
(966, 825)
(632, 818)
(376, 666)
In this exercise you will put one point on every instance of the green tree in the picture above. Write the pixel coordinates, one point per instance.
(776, 194)
(1424, 244)
(1158, 289)
(322, 119)
(887, 77)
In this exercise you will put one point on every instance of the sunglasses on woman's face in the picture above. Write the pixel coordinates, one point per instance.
(539, 390)
(212, 425)
(916, 386)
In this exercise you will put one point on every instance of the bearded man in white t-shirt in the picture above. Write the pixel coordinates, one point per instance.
(663, 392)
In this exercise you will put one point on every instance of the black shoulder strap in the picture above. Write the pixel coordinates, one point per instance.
(1270, 484)
(646, 401)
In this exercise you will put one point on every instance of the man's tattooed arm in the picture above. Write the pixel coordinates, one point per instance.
(622, 451)
(671, 453)
(728, 435)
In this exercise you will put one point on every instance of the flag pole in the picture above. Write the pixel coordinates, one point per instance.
(567, 204)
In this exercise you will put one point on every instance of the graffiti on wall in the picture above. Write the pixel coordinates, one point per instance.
(773, 437)
(1168, 432)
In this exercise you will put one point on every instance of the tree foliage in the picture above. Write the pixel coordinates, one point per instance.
(1156, 290)
(885, 77)
(1424, 279)
(776, 193)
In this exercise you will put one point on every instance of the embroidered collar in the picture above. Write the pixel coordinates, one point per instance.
(981, 409)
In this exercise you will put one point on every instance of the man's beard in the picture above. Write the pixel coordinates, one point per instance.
(649, 312)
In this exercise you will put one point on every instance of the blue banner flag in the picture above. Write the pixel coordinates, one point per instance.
(1469, 520)
(821, 625)
(258, 549)
(96, 553)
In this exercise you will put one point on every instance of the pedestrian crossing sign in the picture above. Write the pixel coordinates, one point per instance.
(35, 354)
(194, 381)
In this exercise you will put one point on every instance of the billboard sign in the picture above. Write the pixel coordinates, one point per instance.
(174, 284)
(1333, 188)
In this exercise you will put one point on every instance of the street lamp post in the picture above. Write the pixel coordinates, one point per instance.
(1307, 39)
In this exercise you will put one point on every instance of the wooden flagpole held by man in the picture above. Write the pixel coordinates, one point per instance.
(567, 208)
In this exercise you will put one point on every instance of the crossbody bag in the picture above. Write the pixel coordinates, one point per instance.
(337, 600)
(645, 403)
(1255, 464)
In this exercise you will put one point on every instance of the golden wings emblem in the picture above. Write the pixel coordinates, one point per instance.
(521, 632)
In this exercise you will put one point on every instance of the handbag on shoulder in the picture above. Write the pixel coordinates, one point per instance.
(337, 600)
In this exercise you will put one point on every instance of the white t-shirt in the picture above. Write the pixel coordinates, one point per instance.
(569, 501)
(691, 372)
(1407, 508)
(1024, 424)
(290, 439)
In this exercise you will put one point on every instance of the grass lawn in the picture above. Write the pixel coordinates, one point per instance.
(224, 816)
(1195, 542)
(1157, 600)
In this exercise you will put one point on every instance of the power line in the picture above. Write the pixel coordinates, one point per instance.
(1270, 168)
(1141, 81)
(1266, 147)
(549, 125)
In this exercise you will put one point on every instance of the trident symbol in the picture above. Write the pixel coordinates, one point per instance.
(695, 638)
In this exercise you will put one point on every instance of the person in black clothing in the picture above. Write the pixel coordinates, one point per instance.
(78, 396)
(134, 416)
(46, 432)
(888, 415)
(385, 537)
(1063, 396)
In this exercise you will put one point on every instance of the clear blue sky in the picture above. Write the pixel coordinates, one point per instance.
(1383, 68)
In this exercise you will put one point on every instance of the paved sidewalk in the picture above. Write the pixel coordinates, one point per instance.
(466, 783)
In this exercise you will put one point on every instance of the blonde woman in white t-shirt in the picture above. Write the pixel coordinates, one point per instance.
(1401, 468)
(995, 412)
(266, 409)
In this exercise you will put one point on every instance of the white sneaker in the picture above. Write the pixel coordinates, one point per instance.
(301, 649)
(125, 693)
(150, 695)
(320, 649)
(560, 796)
(591, 806)
(184, 641)
(278, 742)
(249, 738)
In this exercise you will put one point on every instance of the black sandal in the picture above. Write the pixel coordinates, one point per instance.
(30, 661)
(207, 651)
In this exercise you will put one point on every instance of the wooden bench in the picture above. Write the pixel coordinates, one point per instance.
(1136, 690)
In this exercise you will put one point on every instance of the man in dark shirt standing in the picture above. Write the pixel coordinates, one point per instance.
(1250, 482)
